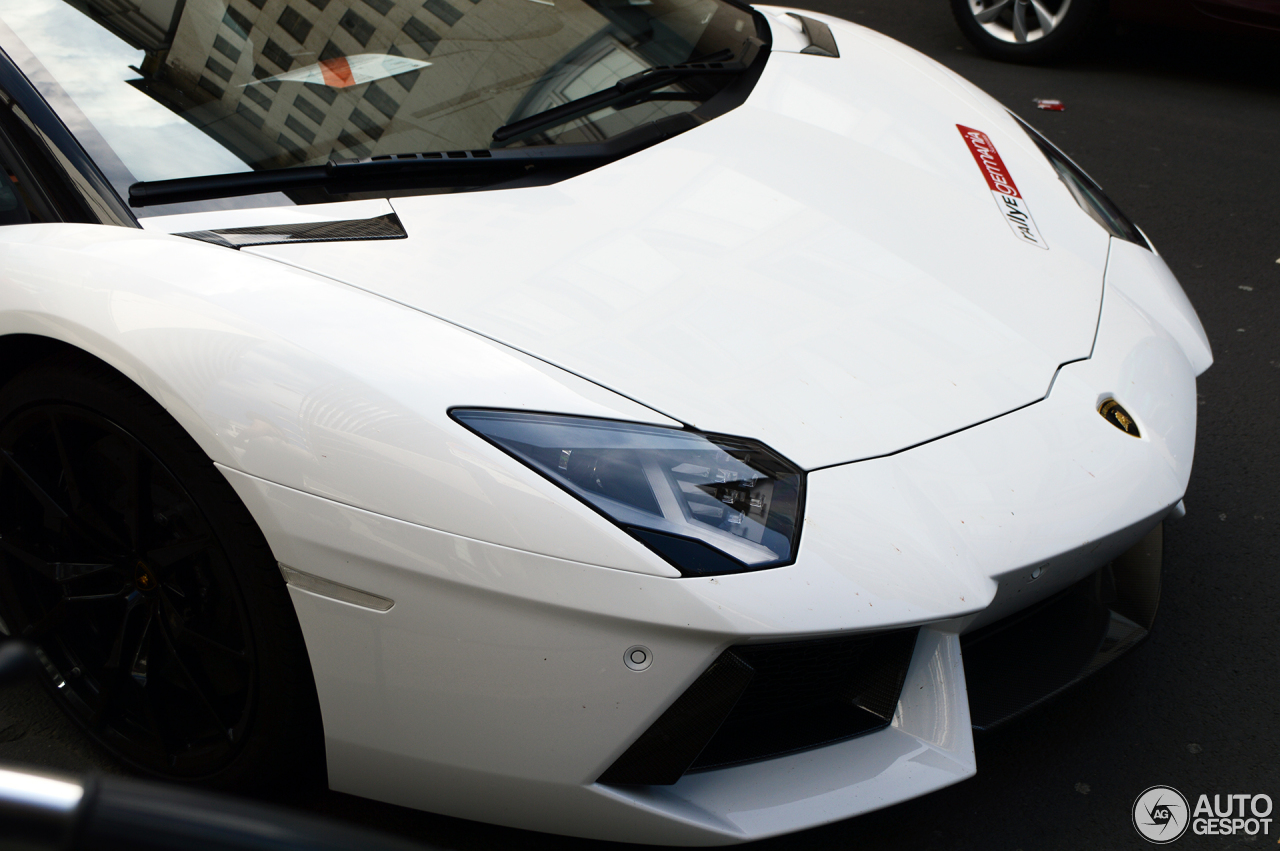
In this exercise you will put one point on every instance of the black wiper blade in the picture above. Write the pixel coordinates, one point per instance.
(146, 193)
(628, 87)
(370, 174)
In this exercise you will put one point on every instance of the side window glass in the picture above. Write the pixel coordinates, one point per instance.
(32, 188)
(45, 176)
(15, 204)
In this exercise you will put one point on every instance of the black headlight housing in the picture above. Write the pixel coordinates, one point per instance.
(708, 504)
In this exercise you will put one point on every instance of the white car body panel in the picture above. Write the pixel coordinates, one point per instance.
(846, 278)
(1144, 277)
(956, 533)
(846, 313)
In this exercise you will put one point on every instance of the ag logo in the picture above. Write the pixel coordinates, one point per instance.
(1160, 814)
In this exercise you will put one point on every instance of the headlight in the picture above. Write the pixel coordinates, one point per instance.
(1088, 194)
(706, 503)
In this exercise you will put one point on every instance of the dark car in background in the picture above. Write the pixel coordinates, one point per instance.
(1044, 30)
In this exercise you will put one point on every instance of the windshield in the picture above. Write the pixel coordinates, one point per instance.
(165, 89)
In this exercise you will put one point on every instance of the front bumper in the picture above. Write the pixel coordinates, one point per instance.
(496, 688)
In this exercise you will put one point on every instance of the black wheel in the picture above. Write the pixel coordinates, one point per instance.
(1027, 30)
(159, 615)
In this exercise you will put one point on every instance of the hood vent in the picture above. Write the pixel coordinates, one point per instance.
(380, 227)
(821, 41)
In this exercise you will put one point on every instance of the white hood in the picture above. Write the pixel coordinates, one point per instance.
(824, 268)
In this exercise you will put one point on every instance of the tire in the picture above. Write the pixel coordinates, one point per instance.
(993, 27)
(159, 615)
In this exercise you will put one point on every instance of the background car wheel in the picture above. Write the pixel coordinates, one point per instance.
(159, 614)
(1027, 30)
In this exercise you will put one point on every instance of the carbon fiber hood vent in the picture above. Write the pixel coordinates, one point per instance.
(346, 230)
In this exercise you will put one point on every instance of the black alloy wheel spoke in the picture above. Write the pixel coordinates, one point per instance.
(183, 633)
(50, 505)
(69, 477)
(51, 620)
(93, 598)
(109, 708)
(24, 555)
(193, 684)
(152, 726)
(203, 641)
(104, 709)
(91, 526)
(30, 559)
(133, 603)
(138, 668)
(81, 507)
(138, 514)
(69, 571)
(163, 557)
(92, 531)
(55, 571)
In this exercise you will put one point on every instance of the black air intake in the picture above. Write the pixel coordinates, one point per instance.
(1018, 663)
(758, 701)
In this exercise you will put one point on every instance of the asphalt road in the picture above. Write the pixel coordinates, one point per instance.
(1184, 134)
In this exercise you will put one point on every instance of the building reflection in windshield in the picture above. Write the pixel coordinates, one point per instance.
(282, 83)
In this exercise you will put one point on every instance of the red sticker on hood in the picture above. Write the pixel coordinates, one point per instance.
(989, 161)
(1010, 202)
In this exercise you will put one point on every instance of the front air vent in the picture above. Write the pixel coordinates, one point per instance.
(821, 41)
(346, 230)
(759, 701)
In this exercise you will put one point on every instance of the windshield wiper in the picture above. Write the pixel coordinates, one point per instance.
(438, 169)
(633, 90)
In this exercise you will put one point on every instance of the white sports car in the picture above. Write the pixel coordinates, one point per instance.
(655, 420)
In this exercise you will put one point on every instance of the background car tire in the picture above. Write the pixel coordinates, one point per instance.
(1074, 21)
(163, 624)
